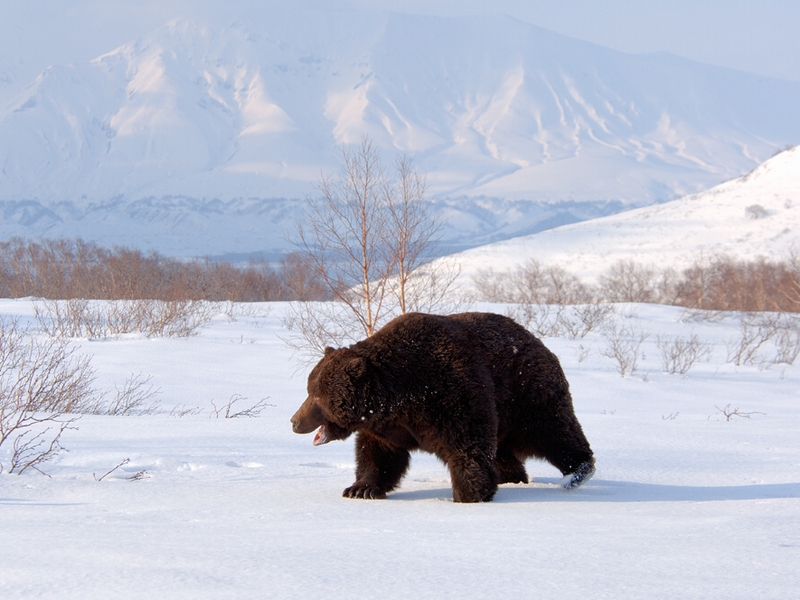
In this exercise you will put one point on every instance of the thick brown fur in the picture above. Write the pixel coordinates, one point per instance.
(475, 389)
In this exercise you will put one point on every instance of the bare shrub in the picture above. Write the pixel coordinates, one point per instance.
(491, 286)
(181, 410)
(623, 345)
(314, 326)
(226, 411)
(43, 384)
(582, 319)
(722, 283)
(755, 211)
(543, 320)
(787, 340)
(135, 397)
(627, 281)
(105, 319)
(755, 330)
(541, 297)
(109, 472)
(679, 354)
(181, 318)
(730, 413)
(532, 283)
(64, 269)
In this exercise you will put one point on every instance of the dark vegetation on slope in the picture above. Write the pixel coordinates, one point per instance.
(64, 269)
(720, 283)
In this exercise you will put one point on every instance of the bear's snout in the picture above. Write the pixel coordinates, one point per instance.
(307, 418)
(299, 426)
(295, 424)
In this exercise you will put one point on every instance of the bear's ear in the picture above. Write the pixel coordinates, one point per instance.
(329, 349)
(356, 367)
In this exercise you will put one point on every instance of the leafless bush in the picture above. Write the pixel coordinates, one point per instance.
(63, 269)
(312, 326)
(627, 281)
(491, 286)
(135, 397)
(623, 344)
(43, 384)
(582, 319)
(755, 330)
(735, 412)
(679, 354)
(583, 352)
(722, 283)
(541, 297)
(755, 211)
(719, 283)
(181, 410)
(787, 340)
(109, 472)
(543, 320)
(556, 320)
(226, 411)
(104, 319)
(532, 283)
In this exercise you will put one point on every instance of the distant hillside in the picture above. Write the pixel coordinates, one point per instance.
(755, 215)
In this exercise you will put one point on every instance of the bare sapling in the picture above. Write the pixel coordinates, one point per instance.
(368, 238)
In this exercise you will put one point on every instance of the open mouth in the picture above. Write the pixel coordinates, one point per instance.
(321, 436)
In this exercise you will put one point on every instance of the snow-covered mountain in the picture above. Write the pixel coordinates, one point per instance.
(757, 215)
(183, 139)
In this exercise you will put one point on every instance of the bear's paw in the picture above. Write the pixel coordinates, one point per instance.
(365, 491)
(580, 476)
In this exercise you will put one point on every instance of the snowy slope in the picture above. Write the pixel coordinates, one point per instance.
(751, 216)
(685, 504)
(208, 107)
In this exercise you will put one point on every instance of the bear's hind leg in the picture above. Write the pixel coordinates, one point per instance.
(509, 468)
(379, 468)
(571, 455)
(555, 435)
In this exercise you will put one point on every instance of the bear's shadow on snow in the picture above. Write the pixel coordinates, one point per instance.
(599, 490)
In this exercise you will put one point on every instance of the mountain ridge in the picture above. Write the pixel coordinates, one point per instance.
(489, 108)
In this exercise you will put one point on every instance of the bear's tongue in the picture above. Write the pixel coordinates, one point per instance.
(322, 436)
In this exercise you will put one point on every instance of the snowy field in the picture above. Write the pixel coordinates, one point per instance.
(686, 502)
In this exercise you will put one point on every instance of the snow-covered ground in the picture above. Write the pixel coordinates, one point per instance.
(685, 503)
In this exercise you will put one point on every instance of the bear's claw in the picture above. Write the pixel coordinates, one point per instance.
(364, 491)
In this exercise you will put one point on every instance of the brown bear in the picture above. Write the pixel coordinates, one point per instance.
(476, 389)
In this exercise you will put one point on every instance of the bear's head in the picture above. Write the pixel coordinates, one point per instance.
(336, 397)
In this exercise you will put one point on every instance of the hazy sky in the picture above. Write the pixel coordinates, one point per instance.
(760, 36)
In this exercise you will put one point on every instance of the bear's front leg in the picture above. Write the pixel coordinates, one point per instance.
(379, 467)
(473, 476)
